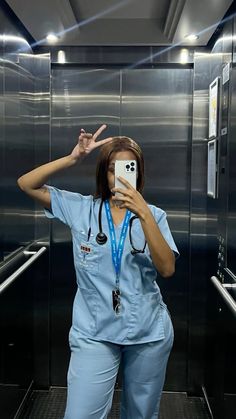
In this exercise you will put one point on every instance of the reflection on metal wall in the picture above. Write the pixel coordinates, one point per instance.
(231, 216)
(42, 123)
(25, 100)
(18, 144)
(42, 128)
(157, 111)
(17, 227)
(220, 388)
(154, 107)
(198, 224)
(1, 145)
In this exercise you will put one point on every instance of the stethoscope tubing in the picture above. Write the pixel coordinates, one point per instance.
(101, 237)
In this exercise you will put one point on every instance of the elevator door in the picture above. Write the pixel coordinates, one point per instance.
(153, 106)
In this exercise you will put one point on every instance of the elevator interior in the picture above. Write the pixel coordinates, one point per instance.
(164, 105)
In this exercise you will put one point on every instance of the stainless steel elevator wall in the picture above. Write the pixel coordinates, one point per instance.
(42, 132)
(42, 140)
(198, 224)
(17, 141)
(25, 130)
(24, 141)
(154, 106)
(17, 215)
(219, 382)
(1, 147)
(157, 111)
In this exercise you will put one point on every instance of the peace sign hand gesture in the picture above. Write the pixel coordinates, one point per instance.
(87, 142)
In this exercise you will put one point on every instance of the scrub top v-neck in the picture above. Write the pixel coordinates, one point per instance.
(141, 318)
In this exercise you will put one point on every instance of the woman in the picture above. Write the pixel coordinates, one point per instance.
(118, 312)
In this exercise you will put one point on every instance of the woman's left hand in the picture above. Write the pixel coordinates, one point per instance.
(131, 199)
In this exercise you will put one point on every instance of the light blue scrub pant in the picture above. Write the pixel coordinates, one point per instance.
(93, 371)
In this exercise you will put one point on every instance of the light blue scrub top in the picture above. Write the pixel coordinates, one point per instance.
(141, 315)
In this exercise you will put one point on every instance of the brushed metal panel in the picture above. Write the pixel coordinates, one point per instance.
(198, 225)
(42, 139)
(220, 362)
(18, 226)
(42, 132)
(221, 365)
(16, 346)
(206, 217)
(2, 112)
(156, 111)
(16, 317)
(231, 221)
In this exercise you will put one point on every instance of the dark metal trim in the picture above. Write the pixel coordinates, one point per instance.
(123, 66)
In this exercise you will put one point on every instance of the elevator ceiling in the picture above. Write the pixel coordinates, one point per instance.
(123, 22)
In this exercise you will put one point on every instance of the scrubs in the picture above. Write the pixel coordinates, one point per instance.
(141, 335)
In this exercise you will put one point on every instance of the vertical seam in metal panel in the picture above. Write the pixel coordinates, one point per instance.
(120, 100)
(50, 230)
(50, 109)
(189, 158)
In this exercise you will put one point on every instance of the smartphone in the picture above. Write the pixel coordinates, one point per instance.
(128, 170)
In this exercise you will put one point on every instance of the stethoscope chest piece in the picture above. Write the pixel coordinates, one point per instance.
(101, 238)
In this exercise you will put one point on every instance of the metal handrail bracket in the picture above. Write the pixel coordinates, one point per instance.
(21, 269)
(229, 286)
(224, 294)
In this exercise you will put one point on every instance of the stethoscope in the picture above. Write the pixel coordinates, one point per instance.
(101, 237)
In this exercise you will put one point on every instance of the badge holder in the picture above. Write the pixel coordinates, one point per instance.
(116, 300)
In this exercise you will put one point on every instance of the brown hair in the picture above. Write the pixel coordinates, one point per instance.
(116, 144)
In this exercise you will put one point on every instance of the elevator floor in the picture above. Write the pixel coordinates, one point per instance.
(51, 405)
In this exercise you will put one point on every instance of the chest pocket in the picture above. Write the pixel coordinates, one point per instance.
(87, 253)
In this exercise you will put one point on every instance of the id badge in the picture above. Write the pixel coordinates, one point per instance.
(116, 300)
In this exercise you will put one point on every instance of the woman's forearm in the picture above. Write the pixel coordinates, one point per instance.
(32, 183)
(39, 176)
(162, 256)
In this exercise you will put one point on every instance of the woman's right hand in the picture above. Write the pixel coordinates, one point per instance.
(87, 142)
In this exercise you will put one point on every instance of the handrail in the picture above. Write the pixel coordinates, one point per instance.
(21, 269)
(17, 257)
(224, 294)
(12, 258)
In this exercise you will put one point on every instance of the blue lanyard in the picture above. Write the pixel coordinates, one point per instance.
(117, 251)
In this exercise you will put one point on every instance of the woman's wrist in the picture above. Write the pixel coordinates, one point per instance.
(145, 215)
(74, 159)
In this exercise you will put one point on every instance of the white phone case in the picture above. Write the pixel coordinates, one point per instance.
(128, 170)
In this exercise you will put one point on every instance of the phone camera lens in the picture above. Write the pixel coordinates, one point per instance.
(132, 169)
(127, 166)
(132, 163)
